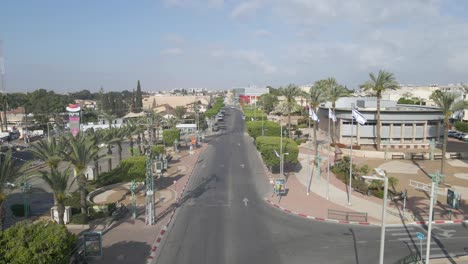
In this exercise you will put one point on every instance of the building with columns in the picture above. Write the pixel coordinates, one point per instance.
(406, 126)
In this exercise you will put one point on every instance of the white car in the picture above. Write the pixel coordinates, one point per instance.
(10, 185)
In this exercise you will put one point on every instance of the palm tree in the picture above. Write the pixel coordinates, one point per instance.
(110, 139)
(130, 130)
(48, 151)
(383, 82)
(334, 92)
(290, 93)
(99, 138)
(58, 182)
(155, 120)
(316, 96)
(179, 112)
(392, 181)
(119, 136)
(82, 152)
(9, 171)
(448, 104)
(171, 122)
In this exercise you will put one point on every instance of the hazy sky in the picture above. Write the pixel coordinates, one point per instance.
(74, 45)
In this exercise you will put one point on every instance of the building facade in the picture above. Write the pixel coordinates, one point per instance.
(404, 126)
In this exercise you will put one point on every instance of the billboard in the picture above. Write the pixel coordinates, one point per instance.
(74, 118)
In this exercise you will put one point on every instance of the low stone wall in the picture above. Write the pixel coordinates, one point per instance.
(91, 195)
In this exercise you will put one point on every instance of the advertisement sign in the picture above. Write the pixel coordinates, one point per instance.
(280, 186)
(74, 118)
(451, 198)
(93, 244)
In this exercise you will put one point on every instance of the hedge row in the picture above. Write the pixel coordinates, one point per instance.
(268, 144)
(270, 128)
(219, 103)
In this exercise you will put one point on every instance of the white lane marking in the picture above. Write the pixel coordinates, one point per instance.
(245, 201)
(242, 165)
(400, 229)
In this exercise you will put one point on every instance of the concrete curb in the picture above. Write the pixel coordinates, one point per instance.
(317, 218)
(164, 228)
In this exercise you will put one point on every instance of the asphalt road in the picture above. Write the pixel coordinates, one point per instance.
(216, 224)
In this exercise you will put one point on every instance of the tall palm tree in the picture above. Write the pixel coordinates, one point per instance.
(448, 104)
(9, 171)
(99, 139)
(290, 92)
(48, 151)
(155, 120)
(334, 92)
(317, 95)
(131, 129)
(58, 182)
(378, 84)
(82, 152)
(119, 136)
(111, 137)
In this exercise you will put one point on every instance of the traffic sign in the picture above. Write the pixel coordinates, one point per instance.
(420, 235)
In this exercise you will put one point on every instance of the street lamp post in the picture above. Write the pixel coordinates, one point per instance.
(436, 179)
(133, 186)
(384, 209)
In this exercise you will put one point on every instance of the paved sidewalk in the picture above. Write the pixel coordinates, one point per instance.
(132, 241)
(316, 205)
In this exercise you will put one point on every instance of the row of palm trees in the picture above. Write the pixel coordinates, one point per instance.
(330, 90)
(75, 154)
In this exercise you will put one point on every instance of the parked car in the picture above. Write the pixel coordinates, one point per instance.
(460, 136)
(451, 133)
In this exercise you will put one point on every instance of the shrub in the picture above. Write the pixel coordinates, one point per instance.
(302, 126)
(159, 149)
(270, 128)
(79, 219)
(461, 126)
(131, 168)
(73, 200)
(267, 146)
(170, 135)
(300, 141)
(39, 242)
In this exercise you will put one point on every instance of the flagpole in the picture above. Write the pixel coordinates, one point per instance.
(351, 157)
(328, 160)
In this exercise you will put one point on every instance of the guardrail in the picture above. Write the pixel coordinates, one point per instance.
(347, 216)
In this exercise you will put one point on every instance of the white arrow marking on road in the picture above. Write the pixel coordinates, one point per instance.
(238, 144)
(245, 201)
(242, 165)
(443, 232)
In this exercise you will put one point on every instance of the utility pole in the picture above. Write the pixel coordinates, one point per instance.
(150, 208)
(436, 179)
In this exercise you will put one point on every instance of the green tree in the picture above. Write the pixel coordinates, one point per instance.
(9, 171)
(334, 92)
(170, 135)
(447, 102)
(39, 242)
(138, 98)
(268, 102)
(179, 112)
(378, 84)
(290, 93)
(48, 151)
(317, 95)
(267, 146)
(58, 182)
(82, 152)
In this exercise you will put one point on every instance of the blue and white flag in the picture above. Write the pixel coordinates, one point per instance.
(313, 115)
(331, 115)
(358, 117)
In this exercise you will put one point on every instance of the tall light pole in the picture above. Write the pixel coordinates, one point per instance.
(384, 209)
(436, 179)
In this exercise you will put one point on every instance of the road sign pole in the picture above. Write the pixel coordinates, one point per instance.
(420, 249)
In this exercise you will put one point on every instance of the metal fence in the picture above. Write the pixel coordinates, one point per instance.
(347, 216)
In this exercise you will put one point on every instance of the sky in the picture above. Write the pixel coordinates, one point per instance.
(220, 44)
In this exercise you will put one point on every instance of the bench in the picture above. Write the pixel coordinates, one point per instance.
(437, 156)
(398, 156)
(455, 156)
(417, 156)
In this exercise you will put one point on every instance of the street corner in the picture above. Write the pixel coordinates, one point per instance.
(316, 218)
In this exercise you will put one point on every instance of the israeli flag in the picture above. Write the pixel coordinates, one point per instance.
(331, 115)
(313, 115)
(358, 117)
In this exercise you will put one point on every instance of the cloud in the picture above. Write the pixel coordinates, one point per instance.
(194, 3)
(250, 57)
(174, 39)
(246, 8)
(261, 33)
(172, 51)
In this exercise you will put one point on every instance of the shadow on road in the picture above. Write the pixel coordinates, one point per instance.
(124, 252)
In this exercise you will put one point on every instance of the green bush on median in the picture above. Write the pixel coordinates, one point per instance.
(268, 144)
(270, 128)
